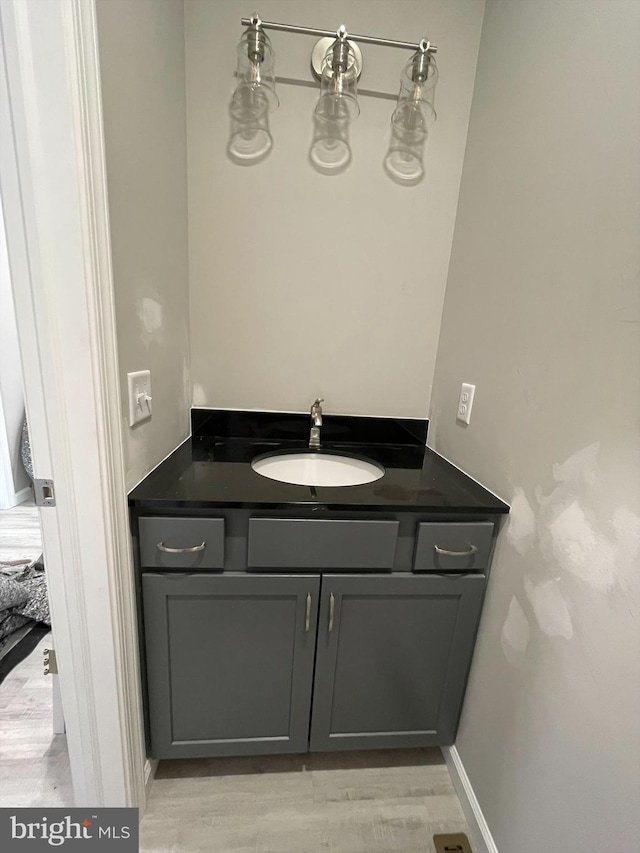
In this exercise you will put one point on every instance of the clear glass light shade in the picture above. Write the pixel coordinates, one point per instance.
(411, 121)
(330, 151)
(341, 80)
(255, 96)
(256, 63)
(250, 139)
(418, 79)
(337, 106)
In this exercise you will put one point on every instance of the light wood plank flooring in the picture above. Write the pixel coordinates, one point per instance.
(20, 539)
(368, 802)
(34, 764)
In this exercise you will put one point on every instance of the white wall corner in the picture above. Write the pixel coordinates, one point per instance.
(481, 838)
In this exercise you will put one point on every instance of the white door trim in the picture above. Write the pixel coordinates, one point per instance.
(53, 184)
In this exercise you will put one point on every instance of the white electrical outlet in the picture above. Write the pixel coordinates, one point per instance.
(465, 403)
(139, 396)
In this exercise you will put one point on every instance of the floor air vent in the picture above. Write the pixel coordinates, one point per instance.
(454, 843)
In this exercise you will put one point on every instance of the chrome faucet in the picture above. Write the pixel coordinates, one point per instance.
(316, 423)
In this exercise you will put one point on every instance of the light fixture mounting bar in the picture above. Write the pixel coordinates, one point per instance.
(312, 31)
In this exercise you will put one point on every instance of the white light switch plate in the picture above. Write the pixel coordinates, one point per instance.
(465, 403)
(139, 396)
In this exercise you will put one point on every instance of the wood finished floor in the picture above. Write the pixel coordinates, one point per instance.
(20, 538)
(34, 765)
(368, 802)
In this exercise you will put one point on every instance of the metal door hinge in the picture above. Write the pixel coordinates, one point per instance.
(50, 662)
(44, 493)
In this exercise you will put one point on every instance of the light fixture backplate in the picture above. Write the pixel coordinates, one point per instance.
(319, 52)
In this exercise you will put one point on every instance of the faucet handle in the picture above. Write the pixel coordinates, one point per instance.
(317, 402)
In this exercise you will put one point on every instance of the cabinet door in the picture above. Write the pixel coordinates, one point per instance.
(392, 659)
(229, 663)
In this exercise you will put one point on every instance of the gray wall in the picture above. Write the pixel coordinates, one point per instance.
(304, 285)
(15, 478)
(542, 315)
(143, 89)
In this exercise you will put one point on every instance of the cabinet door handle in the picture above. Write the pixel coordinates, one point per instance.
(471, 550)
(162, 547)
(332, 608)
(307, 614)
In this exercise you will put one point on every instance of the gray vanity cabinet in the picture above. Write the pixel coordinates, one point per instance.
(392, 658)
(229, 662)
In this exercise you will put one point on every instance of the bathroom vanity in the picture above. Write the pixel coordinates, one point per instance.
(286, 618)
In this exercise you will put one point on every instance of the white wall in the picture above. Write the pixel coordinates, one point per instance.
(304, 285)
(143, 87)
(14, 482)
(542, 315)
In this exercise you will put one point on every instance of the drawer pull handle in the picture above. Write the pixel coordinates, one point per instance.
(471, 550)
(193, 550)
(307, 614)
(332, 607)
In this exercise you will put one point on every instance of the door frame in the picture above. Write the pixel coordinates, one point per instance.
(54, 193)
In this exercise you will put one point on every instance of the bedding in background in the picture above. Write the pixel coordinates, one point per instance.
(23, 599)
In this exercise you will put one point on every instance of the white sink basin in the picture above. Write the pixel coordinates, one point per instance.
(317, 468)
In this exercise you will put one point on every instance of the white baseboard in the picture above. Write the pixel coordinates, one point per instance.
(481, 838)
(10, 499)
(23, 495)
(150, 767)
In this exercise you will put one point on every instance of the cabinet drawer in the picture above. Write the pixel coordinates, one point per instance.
(299, 543)
(453, 546)
(181, 543)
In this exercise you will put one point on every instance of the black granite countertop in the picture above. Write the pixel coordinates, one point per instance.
(213, 468)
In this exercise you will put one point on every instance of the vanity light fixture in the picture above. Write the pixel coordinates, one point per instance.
(336, 60)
